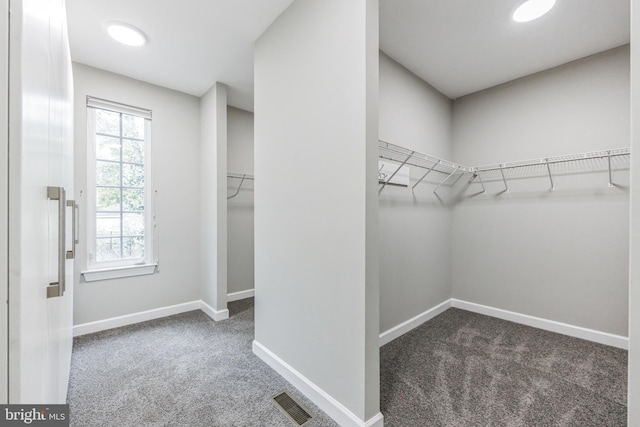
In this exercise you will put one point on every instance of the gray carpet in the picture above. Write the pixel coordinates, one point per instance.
(463, 369)
(460, 369)
(184, 370)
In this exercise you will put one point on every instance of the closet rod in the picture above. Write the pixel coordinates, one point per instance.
(240, 176)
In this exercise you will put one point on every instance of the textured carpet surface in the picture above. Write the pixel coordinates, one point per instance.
(463, 369)
(183, 370)
(460, 369)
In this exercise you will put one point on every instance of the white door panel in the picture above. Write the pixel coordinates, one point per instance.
(40, 156)
(4, 220)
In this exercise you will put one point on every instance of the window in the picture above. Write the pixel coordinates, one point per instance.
(119, 197)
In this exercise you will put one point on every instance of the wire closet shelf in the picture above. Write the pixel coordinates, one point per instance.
(239, 176)
(405, 157)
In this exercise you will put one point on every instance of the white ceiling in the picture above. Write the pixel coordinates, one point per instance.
(463, 46)
(192, 43)
(458, 46)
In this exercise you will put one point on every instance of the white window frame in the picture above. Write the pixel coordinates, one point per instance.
(126, 267)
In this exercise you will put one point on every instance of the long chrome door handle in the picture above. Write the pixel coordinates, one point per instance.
(56, 289)
(74, 237)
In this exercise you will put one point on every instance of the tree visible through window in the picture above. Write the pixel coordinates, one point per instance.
(122, 228)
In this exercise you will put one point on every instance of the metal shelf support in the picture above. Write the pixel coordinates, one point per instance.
(609, 163)
(550, 176)
(506, 187)
(384, 183)
(242, 178)
(427, 173)
(435, 191)
(484, 190)
(404, 156)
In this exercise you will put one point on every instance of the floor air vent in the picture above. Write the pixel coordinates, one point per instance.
(292, 409)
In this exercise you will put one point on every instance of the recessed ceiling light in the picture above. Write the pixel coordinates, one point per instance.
(532, 9)
(125, 33)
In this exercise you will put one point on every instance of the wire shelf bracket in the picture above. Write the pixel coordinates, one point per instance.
(403, 156)
(242, 178)
(553, 187)
(609, 165)
(384, 183)
(435, 191)
(431, 164)
(506, 187)
(427, 173)
(484, 190)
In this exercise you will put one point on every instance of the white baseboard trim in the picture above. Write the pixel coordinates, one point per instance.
(376, 421)
(143, 316)
(130, 319)
(414, 322)
(524, 319)
(548, 325)
(235, 296)
(323, 400)
(216, 315)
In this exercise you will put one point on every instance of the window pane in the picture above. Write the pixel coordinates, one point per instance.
(107, 224)
(107, 249)
(133, 224)
(107, 122)
(108, 199)
(132, 200)
(133, 247)
(132, 176)
(132, 126)
(132, 151)
(120, 213)
(107, 148)
(107, 173)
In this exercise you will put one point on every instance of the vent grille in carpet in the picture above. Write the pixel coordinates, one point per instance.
(293, 409)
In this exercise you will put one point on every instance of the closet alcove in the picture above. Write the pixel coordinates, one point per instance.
(558, 254)
(529, 220)
(240, 181)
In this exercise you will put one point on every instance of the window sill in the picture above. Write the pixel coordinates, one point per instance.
(118, 272)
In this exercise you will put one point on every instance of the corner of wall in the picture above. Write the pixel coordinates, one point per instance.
(633, 399)
(213, 208)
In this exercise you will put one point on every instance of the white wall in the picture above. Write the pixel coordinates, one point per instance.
(213, 200)
(559, 255)
(316, 129)
(415, 228)
(240, 270)
(633, 400)
(580, 106)
(175, 160)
